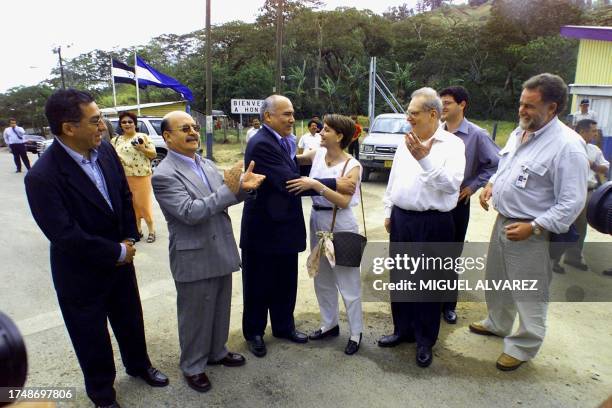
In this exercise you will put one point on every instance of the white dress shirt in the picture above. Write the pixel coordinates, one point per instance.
(309, 142)
(431, 183)
(595, 155)
(10, 135)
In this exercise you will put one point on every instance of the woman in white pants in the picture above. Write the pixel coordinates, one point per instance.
(330, 161)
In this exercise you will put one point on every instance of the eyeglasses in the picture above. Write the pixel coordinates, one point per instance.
(187, 128)
(414, 114)
(95, 121)
(127, 122)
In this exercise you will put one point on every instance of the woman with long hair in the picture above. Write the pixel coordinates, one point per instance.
(331, 161)
(136, 151)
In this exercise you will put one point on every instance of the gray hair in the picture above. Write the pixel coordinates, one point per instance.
(268, 105)
(431, 100)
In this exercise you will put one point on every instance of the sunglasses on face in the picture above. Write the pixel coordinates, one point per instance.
(127, 122)
(187, 128)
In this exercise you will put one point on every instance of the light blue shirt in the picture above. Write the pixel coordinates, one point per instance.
(92, 169)
(11, 138)
(291, 138)
(543, 179)
(195, 165)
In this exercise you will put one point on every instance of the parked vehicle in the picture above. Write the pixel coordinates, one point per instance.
(31, 142)
(378, 148)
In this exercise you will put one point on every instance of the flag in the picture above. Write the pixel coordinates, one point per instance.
(122, 73)
(149, 76)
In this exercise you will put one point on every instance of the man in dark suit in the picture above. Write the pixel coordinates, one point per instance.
(79, 197)
(273, 231)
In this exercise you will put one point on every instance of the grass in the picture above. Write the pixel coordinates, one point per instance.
(504, 128)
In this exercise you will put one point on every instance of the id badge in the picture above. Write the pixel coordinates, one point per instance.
(521, 180)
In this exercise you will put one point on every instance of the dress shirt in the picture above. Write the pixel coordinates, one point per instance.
(481, 156)
(195, 165)
(555, 163)
(578, 116)
(11, 138)
(291, 139)
(594, 155)
(92, 169)
(250, 133)
(431, 183)
(310, 142)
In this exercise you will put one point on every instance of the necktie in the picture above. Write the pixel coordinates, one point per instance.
(17, 134)
(286, 145)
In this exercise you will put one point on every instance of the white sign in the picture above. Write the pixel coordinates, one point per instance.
(248, 106)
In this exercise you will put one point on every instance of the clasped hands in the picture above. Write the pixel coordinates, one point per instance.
(130, 252)
(235, 180)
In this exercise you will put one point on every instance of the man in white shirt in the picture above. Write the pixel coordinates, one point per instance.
(423, 188)
(14, 138)
(586, 128)
(310, 140)
(254, 129)
(584, 113)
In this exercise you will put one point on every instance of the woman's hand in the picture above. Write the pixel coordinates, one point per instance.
(302, 184)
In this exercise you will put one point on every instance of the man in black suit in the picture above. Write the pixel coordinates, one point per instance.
(79, 197)
(273, 231)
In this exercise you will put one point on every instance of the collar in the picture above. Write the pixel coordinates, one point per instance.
(463, 127)
(78, 157)
(540, 131)
(275, 133)
(195, 161)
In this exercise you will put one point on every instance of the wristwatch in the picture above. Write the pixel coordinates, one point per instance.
(536, 229)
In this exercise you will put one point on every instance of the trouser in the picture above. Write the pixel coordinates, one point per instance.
(574, 253)
(86, 321)
(269, 284)
(461, 219)
(203, 309)
(510, 260)
(418, 320)
(353, 148)
(20, 153)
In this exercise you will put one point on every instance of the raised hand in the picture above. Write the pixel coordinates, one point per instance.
(232, 177)
(250, 180)
(417, 148)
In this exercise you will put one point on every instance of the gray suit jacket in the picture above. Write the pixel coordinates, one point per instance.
(202, 243)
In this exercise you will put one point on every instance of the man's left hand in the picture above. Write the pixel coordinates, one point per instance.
(418, 149)
(465, 194)
(518, 231)
(250, 180)
(301, 184)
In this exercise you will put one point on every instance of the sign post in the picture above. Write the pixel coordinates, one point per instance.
(245, 106)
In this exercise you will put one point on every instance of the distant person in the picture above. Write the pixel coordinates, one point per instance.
(109, 132)
(13, 137)
(136, 151)
(353, 147)
(255, 126)
(80, 199)
(584, 113)
(481, 158)
(311, 139)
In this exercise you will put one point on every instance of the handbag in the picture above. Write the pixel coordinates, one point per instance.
(349, 246)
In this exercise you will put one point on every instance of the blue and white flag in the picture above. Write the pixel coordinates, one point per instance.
(149, 76)
(122, 73)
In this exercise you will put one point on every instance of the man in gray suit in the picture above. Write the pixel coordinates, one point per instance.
(203, 253)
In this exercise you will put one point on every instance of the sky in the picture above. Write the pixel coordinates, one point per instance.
(31, 29)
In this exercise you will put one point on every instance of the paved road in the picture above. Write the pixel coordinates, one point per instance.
(574, 367)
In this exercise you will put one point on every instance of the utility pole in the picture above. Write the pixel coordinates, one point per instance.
(209, 118)
(279, 46)
(58, 51)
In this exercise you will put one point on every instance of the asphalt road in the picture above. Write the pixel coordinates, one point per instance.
(573, 368)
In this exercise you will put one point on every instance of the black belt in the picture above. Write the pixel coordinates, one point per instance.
(321, 208)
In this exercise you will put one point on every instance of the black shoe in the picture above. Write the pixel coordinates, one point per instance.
(352, 347)
(230, 360)
(450, 316)
(424, 356)
(558, 268)
(578, 264)
(257, 346)
(295, 336)
(320, 335)
(153, 377)
(17, 171)
(198, 382)
(392, 340)
(115, 404)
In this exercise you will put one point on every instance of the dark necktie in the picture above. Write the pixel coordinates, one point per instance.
(286, 145)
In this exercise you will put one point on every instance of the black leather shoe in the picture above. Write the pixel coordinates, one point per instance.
(320, 335)
(295, 336)
(230, 360)
(392, 340)
(576, 264)
(352, 347)
(257, 346)
(558, 268)
(115, 404)
(198, 382)
(450, 316)
(153, 377)
(424, 356)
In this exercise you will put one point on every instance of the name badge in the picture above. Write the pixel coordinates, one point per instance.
(521, 180)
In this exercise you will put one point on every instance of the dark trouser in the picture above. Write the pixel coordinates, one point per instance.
(461, 219)
(418, 320)
(86, 321)
(269, 283)
(574, 252)
(353, 149)
(19, 152)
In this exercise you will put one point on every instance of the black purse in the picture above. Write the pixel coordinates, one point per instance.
(349, 246)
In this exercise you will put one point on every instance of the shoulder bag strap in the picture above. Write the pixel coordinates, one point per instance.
(335, 206)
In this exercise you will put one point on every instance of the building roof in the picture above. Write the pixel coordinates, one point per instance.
(587, 32)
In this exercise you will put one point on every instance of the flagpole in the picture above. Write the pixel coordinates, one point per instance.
(113, 81)
(136, 77)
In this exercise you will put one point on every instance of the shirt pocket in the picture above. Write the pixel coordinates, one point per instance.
(189, 244)
(536, 168)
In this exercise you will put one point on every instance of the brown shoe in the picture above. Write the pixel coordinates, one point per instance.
(479, 328)
(198, 382)
(230, 360)
(508, 363)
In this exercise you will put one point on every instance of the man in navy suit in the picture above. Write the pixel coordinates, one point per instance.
(79, 197)
(273, 231)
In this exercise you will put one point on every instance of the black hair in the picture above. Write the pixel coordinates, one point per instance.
(316, 122)
(459, 94)
(551, 87)
(584, 124)
(64, 105)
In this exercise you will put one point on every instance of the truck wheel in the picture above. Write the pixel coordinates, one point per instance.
(365, 175)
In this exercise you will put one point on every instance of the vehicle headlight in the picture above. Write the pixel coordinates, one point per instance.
(365, 148)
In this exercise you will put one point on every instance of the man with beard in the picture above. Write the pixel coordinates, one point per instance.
(539, 189)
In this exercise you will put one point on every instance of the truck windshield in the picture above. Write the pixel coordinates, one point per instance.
(390, 125)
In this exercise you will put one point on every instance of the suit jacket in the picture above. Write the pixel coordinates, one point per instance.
(274, 221)
(84, 231)
(202, 243)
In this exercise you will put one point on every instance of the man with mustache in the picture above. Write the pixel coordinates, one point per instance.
(539, 189)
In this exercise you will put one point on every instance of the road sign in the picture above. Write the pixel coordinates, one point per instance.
(247, 106)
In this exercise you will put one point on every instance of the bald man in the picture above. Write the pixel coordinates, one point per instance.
(203, 254)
